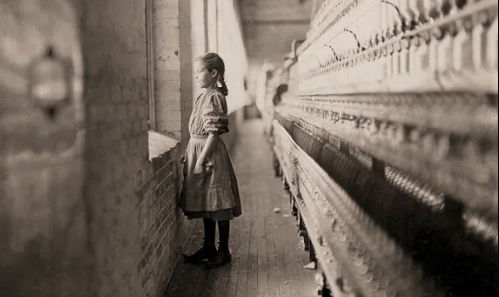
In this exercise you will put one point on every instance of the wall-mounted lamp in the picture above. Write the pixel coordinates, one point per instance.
(50, 82)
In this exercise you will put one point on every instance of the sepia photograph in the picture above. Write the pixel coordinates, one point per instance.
(249, 148)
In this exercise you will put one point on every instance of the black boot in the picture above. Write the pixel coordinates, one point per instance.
(223, 255)
(208, 250)
(204, 253)
(220, 260)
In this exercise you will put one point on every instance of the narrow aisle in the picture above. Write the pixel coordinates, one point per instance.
(267, 253)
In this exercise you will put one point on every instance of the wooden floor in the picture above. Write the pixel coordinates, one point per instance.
(267, 254)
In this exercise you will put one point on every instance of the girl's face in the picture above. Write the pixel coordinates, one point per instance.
(204, 78)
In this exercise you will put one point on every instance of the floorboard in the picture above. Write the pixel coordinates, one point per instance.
(267, 258)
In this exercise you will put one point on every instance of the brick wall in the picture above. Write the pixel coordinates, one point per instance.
(159, 224)
(133, 220)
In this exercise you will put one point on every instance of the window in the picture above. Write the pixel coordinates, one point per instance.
(150, 64)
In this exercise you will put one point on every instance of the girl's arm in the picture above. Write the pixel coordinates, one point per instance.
(206, 152)
(215, 123)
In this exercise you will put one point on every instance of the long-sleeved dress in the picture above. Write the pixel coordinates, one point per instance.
(214, 195)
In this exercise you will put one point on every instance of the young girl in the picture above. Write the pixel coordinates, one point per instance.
(210, 187)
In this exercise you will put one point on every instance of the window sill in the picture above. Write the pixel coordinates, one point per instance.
(160, 144)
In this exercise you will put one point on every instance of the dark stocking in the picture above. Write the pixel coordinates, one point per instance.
(224, 231)
(208, 250)
(209, 232)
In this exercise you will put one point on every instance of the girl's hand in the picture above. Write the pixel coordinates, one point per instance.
(199, 168)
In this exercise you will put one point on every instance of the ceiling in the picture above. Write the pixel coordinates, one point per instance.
(269, 26)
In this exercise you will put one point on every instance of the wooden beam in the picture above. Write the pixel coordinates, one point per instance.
(276, 22)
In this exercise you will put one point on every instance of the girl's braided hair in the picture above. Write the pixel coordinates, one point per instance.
(213, 61)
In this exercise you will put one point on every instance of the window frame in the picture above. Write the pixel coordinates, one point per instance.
(151, 100)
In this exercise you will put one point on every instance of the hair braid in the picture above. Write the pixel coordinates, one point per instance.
(223, 89)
